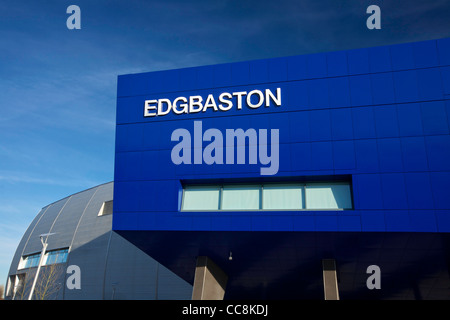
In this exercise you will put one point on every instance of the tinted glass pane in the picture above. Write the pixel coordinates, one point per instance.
(204, 198)
(328, 196)
(240, 198)
(282, 197)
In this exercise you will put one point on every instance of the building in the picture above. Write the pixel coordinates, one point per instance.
(111, 267)
(279, 171)
(287, 178)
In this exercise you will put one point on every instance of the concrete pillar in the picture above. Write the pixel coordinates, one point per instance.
(209, 282)
(330, 285)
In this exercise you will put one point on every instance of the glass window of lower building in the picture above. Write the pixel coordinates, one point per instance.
(29, 261)
(55, 256)
(50, 257)
(269, 196)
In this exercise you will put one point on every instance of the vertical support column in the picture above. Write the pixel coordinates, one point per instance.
(330, 285)
(209, 282)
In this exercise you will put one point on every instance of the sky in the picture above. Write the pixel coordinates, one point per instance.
(58, 86)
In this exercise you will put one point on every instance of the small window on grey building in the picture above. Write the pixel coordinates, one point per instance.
(16, 286)
(107, 208)
(29, 261)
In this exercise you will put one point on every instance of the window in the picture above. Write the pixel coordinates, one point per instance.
(328, 196)
(29, 261)
(277, 197)
(269, 196)
(55, 256)
(240, 198)
(16, 285)
(107, 208)
(50, 257)
(201, 198)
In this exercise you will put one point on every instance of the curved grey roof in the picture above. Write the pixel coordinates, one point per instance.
(110, 266)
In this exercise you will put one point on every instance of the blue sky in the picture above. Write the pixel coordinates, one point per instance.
(58, 86)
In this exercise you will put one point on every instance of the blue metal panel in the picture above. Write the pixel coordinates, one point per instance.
(386, 123)
(402, 57)
(240, 73)
(337, 64)
(382, 88)
(443, 46)
(366, 154)
(341, 124)
(438, 152)
(259, 71)
(277, 69)
(320, 125)
(434, 118)
(405, 83)
(418, 190)
(363, 123)
(222, 75)
(360, 90)
(358, 61)
(425, 54)
(373, 221)
(344, 155)
(322, 155)
(367, 187)
(414, 154)
(394, 191)
(429, 84)
(316, 65)
(445, 72)
(441, 189)
(318, 94)
(339, 92)
(390, 155)
(409, 119)
(380, 59)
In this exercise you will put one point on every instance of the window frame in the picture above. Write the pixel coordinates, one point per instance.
(203, 186)
(101, 212)
(261, 185)
(51, 253)
(26, 262)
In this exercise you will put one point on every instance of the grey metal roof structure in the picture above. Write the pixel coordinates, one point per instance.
(110, 266)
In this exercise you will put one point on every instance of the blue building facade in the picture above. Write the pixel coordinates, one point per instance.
(374, 120)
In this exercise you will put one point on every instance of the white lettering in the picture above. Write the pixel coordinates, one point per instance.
(260, 97)
(148, 106)
(276, 100)
(227, 102)
(161, 111)
(194, 104)
(184, 106)
(239, 98)
(210, 103)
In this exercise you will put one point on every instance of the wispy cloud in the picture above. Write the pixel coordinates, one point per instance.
(19, 177)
